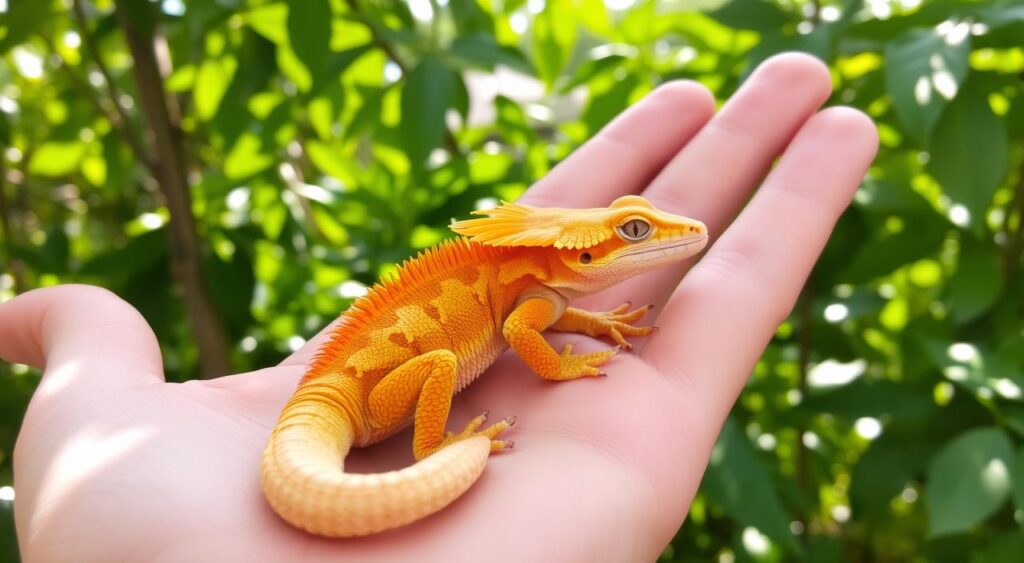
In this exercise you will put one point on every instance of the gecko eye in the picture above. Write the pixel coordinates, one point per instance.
(585, 258)
(635, 230)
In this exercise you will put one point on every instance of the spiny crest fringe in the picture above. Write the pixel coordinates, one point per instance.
(425, 266)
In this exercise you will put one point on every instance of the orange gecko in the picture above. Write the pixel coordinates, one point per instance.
(400, 353)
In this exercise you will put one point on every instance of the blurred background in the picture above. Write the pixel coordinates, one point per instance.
(241, 170)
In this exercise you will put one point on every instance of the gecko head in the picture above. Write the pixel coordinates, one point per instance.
(643, 238)
(595, 248)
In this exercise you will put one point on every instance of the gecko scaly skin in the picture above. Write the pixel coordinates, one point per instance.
(401, 352)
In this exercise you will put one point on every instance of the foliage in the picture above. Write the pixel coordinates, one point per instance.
(324, 141)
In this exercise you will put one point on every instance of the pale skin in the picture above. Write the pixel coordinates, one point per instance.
(114, 464)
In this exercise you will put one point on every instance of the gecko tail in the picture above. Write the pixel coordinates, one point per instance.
(303, 477)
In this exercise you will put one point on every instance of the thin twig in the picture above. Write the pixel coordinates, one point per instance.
(89, 94)
(123, 122)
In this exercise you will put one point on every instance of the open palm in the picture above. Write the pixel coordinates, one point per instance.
(114, 464)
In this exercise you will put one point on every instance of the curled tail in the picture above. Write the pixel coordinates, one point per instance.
(303, 478)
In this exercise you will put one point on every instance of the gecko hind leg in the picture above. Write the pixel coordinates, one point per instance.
(425, 385)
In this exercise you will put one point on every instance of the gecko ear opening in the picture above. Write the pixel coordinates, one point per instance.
(515, 224)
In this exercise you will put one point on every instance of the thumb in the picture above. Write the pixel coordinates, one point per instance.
(79, 334)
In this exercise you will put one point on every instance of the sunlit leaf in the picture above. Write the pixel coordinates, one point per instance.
(57, 158)
(554, 36)
(246, 158)
(212, 81)
(923, 72)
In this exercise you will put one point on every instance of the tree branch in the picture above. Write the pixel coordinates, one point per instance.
(122, 122)
(183, 242)
(88, 93)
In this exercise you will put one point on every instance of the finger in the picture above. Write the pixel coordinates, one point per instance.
(720, 319)
(714, 175)
(621, 159)
(624, 156)
(80, 335)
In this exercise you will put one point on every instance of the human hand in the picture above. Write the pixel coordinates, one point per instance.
(112, 463)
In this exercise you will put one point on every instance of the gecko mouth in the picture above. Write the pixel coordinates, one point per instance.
(668, 247)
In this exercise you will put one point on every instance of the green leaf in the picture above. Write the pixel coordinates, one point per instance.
(978, 280)
(1003, 13)
(1006, 547)
(737, 480)
(970, 152)
(212, 81)
(246, 158)
(758, 15)
(22, 19)
(480, 50)
(309, 33)
(428, 93)
(269, 21)
(923, 73)
(139, 254)
(884, 470)
(968, 480)
(887, 252)
(331, 160)
(57, 158)
(605, 105)
(554, 36)
(594, 16)
(593, 68)
(1018, 480)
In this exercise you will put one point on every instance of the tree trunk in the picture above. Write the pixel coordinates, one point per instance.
(170, 170)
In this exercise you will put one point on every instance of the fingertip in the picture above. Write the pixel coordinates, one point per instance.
(685, 95)
(796, 69)
(851, 124)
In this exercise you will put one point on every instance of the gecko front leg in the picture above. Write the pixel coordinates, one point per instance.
(522, 329)
(615, 324)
